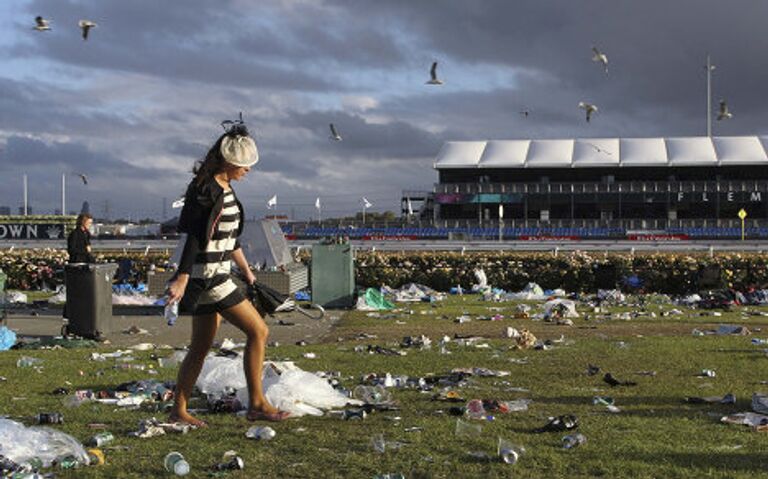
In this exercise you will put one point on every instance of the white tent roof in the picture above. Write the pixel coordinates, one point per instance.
(604, 152)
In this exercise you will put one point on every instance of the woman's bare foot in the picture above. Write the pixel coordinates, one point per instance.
(186, 418)
(275, 415)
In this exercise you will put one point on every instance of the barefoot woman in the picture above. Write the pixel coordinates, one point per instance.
(212, 218)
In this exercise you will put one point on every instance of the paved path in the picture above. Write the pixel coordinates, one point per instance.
(48, 323)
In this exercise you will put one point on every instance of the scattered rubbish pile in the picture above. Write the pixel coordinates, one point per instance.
(286, 386)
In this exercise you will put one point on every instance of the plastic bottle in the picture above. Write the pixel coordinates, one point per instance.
(49, 418)
(100, 439)
(171, 312)
(174, 462)
(514, 406)
(69, 462)
(262, 433)
(28, 362)
(573, 440)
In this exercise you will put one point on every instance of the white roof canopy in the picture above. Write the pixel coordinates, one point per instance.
(604, 152)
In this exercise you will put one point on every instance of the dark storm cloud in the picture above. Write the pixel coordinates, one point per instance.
(656, 50)
(189, 43)
(394, 139)
(290, 63)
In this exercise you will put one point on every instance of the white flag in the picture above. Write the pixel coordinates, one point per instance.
(178, 203)
(272, 202)
(410, 207)
(317, 203)
(366, 203)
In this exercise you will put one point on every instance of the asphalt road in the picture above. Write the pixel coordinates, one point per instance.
(444, 245)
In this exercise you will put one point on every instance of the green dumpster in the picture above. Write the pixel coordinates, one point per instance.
(333, 276)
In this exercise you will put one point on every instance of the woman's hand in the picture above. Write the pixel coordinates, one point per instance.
(176, 288)
(250, 278)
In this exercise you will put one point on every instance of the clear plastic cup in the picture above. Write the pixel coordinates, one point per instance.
(174, 462)
(509, 452)
(464, 428)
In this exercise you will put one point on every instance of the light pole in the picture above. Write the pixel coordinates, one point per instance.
(710, 68)
(63, 194)
(26, 195)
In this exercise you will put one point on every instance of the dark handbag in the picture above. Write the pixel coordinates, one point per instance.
(265, 299)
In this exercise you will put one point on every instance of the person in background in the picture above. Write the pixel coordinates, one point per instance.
(79, 240)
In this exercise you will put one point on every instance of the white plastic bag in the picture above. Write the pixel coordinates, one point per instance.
(20, 443)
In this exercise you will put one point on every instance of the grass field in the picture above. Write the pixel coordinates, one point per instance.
(656, 434)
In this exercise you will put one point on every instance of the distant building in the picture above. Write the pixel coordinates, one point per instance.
(623, 183)
(86, 208)
(5, 210)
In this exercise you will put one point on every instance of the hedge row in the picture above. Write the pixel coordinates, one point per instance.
(670, 273)
(578, 271)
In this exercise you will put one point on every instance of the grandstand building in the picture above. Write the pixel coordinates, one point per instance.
(693, 185)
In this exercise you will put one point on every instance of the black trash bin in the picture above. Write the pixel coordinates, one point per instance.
(89, 299)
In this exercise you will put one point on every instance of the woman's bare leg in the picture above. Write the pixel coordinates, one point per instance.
(204, 329)
(245, 317)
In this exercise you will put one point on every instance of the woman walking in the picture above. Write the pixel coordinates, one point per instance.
(212, 219)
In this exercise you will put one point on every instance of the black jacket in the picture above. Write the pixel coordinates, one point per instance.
(77, 246)
(199, 217)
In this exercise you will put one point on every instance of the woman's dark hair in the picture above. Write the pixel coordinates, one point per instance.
(213, 162)
(81, 219)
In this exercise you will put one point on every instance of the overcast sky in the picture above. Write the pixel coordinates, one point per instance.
(136, 104)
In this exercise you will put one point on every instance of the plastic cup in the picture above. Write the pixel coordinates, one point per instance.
(174, 462)
(509, 452)
(464, 428)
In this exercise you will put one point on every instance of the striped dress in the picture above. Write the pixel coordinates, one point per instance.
(213, 266)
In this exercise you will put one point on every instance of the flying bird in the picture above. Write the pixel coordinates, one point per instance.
(85, 26)
(433, 75)
(724, 114)
(598, 149)
(598, 56)
(334, 133)
(589, 108)
(41, 24)
(83, 177)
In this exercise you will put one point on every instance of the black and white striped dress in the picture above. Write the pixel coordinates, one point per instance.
(214, 265)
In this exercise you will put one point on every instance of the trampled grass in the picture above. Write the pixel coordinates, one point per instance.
(656, 434)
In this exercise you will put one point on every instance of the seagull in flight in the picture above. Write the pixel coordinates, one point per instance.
(588, 108)
(724, 114)
(433, 75)
(85, 26)
(83, 177)
(335, 136)
(598, 149)
(41, 24)
(600, 57)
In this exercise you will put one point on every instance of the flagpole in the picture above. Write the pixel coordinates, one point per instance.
(63, 194)
(26, 195)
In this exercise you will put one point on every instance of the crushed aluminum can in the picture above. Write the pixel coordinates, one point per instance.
(353, 414)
